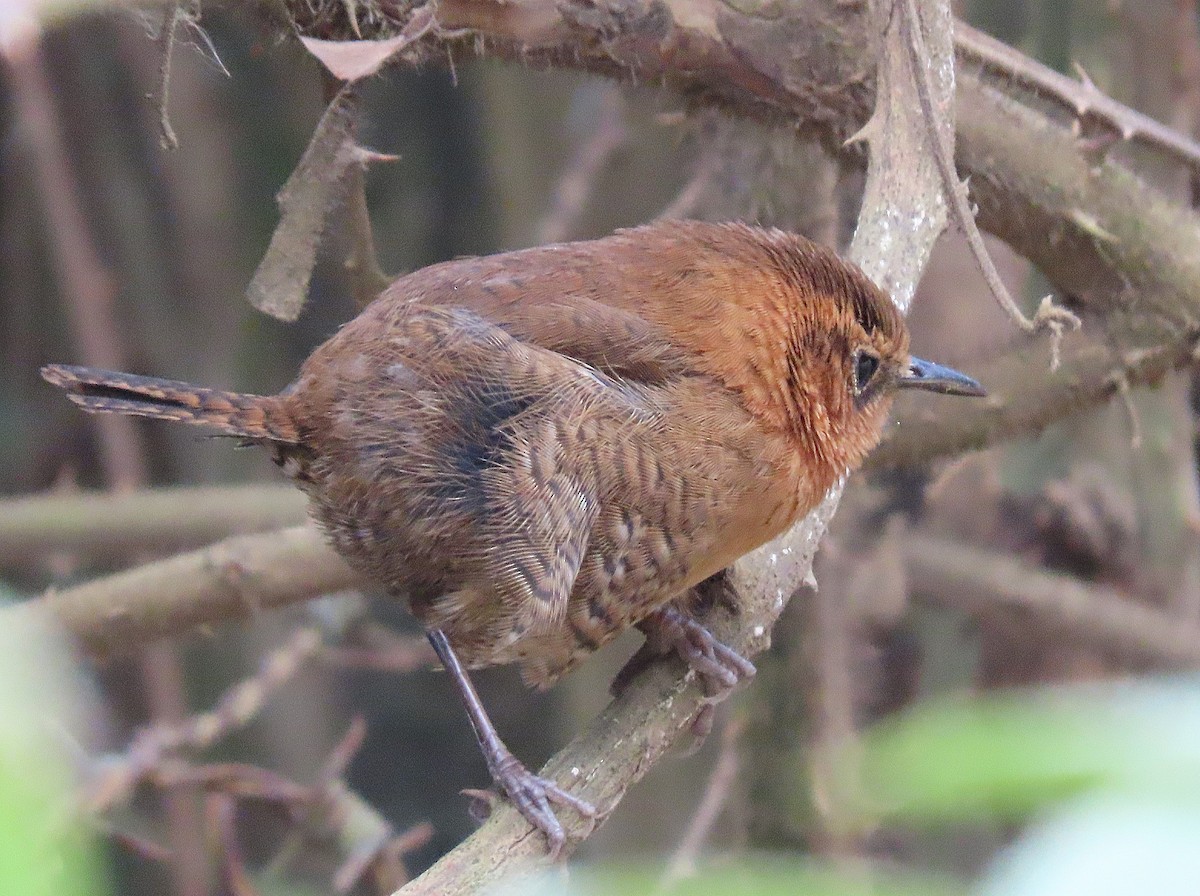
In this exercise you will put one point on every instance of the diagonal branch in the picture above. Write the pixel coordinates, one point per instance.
(1078, 100)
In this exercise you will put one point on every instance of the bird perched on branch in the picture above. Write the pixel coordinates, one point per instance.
(540, 449)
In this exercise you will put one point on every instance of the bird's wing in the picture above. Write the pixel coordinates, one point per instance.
(544, 503)
(561, 298)
(506, 413)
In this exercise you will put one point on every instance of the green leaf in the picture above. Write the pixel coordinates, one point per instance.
(1011, 754)
(43, 849)
(753, 876)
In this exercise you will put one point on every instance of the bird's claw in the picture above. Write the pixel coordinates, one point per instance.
(532, 796)
(719, 667)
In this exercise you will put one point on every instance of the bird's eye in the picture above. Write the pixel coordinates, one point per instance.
(865, 365)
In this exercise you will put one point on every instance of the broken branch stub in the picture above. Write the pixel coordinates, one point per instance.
(280, 284)
(320, 182)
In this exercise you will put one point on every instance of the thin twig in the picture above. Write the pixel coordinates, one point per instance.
(327, 809)
(578, 181)
(1048, 316)
(693, 192)
(367, 279)
(1131, 412)
(222, 814)
(162, 98)
(1023, 401)
(237, 707)
(378, 648)
(716, 794)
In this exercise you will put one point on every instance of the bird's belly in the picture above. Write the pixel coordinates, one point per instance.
(624, 579)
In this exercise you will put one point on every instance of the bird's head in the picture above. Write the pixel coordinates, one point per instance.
(848, 354)
(813, 348)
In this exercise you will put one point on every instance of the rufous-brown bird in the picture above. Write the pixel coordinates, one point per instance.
(540, 449)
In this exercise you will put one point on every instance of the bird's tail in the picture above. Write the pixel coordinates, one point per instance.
(231, 413)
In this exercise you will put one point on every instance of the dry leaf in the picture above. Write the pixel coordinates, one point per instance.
(353, 60)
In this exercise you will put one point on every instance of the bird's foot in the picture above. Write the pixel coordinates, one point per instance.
(719, 667)
(532, 796)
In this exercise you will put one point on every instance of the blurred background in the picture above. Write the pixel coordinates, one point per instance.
(490, 157)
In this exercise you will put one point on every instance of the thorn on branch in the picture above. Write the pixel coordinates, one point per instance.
(1080, 99)
(364, 156)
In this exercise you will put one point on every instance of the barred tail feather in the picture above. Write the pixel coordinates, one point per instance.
(231, 413)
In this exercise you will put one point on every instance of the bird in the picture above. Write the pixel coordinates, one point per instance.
(539, 449)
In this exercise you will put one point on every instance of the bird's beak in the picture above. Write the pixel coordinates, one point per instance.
(936, 378)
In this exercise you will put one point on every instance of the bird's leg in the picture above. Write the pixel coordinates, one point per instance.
(531, 794)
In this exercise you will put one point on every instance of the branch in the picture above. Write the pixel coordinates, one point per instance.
(107, 525)
(984, 582)
(1079, 100)
(1101, 235)
(116, 775)
(234, 579)
(1024, 398)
